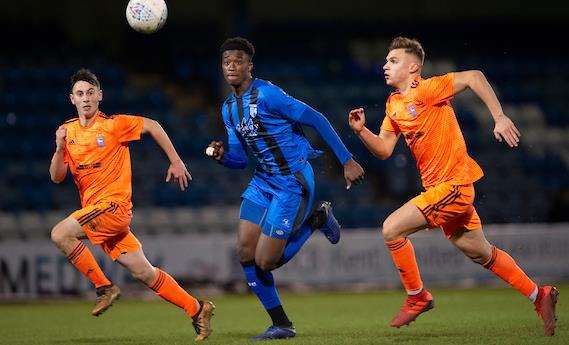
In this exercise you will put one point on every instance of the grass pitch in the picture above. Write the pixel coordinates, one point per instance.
(476, 316)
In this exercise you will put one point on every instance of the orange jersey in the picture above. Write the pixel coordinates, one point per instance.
(99, 158)
(427, 121)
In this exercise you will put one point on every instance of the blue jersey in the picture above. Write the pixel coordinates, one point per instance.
(267, 122)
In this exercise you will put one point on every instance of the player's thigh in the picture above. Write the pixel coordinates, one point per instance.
(285, 209)
(247, 238)
(403, 222)
(137, 264)
(67, 228)
(269, 252)
(251, 216)
(472, 243)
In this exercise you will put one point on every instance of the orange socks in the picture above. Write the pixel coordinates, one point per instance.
(166, 287)
(404, 258)
(506, 268)
(85, 262)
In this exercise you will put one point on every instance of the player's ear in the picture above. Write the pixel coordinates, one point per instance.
(250, 67)
(71, 99)
(100, 96)
(414, 67)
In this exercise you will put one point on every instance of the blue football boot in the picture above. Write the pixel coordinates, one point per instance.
(276, 332)
(325, 221)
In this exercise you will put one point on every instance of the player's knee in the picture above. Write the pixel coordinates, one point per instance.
(145, 275)
(58, 234)
(245, 252)
(478, 257)
(389, 230)
(266, 264)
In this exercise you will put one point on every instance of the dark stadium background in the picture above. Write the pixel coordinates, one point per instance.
(327, 55)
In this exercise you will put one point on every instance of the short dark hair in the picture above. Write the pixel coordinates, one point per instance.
(411, 46)
(85, 75)
(238, 43)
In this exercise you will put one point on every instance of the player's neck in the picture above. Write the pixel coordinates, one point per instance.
(406, 85)
(87, 120)
(241, 88)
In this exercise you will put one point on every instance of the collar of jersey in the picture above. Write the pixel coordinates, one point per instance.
(246, 91)
(96, 117)
(409, 95)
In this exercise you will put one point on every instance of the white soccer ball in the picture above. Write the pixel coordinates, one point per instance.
(146, 16)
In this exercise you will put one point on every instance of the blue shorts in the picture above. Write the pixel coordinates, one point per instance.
(280, 204)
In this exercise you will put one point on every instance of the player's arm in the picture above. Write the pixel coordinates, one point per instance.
(236, 156)
(58, 167)
(475, 80)
(177, 168)
(381, 145)
(300, 112)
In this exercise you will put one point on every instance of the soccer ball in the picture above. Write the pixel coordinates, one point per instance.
(146, 16)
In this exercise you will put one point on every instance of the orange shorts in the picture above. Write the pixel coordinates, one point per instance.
(108, 224)
(449, 207)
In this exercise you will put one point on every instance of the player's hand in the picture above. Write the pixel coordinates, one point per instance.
(178, 171)
(505, 129)
(60, 135)
(353, 173)
(357, 120)
(218, 150)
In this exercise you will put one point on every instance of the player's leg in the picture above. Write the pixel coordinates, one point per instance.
(474, 245)
(133, 259)
(307, 220)
(261, 282)
(66, 235)
(403, 222)
(267, 255)
(472, 242)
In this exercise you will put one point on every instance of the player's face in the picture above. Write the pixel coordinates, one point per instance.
(86, 97)
(236, 66)
(399, 66)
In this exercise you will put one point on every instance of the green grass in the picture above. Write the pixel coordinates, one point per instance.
(476, 316)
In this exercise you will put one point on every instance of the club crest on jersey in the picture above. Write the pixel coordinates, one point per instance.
(252, 110)
(100, 140)
(412, 110)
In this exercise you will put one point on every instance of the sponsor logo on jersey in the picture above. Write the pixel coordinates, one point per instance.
(247, 128)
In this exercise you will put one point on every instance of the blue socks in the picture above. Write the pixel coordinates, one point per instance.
(262, 284)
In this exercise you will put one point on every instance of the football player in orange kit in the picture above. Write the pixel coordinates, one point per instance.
(420, 110)
(94, 146)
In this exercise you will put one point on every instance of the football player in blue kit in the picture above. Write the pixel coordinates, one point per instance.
(277, 215)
